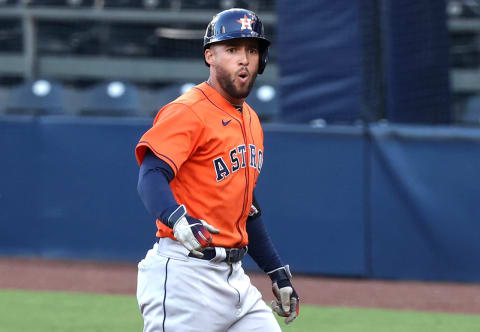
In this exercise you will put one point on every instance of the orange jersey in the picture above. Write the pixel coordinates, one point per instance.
(216, 153)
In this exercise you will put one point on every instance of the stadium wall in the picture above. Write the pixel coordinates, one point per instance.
(394, 202)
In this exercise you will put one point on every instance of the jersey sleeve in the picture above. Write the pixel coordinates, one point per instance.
(173, 137)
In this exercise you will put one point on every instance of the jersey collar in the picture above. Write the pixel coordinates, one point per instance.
(218, 100)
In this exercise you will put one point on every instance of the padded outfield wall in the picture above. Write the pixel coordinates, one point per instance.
(395, 202)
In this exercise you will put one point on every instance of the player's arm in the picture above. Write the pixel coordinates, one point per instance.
(263, 252)
(153, 187)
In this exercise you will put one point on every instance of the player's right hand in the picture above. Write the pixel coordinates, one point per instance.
(194, 234)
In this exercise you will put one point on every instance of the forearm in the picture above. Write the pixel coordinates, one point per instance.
(263, 252)
(260, 245)
(154, 189)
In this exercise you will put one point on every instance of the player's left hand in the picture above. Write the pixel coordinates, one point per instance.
(287, 303)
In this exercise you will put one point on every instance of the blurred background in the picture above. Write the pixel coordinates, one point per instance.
(151, 50)
(371, 113)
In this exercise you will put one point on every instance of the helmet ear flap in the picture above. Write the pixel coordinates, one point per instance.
(263, 60)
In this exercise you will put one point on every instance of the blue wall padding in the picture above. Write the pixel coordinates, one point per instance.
(320, 57)
(401, 202)
(20, 169)
(310, 190)
(425, 211)
(80, 190)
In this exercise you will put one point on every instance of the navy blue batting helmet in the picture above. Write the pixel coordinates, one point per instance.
(237, 23)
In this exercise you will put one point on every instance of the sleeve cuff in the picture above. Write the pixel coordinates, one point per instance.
(176, 215)
(281, 273)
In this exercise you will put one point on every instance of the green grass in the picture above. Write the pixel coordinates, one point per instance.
(22, 311)
(74, 312)
(323, 319)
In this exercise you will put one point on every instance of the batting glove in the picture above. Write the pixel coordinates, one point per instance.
(193, 234)
(287, 303)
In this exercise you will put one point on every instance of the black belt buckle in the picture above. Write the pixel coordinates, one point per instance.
(235, 255)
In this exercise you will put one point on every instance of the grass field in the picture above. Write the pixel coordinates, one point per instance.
(74, 312)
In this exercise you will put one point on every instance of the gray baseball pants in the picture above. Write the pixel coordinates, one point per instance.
(180, 293)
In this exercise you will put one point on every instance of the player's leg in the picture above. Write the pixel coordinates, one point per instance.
(152, 273)
(255, 314)
(197, 298)
(260, 318)
(178, 293)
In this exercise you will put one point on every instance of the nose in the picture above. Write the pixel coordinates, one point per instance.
(244, 57)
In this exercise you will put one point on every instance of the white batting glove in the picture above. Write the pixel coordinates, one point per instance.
(193, 234)
(287, 303)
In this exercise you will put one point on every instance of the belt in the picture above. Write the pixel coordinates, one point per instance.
(234, 255)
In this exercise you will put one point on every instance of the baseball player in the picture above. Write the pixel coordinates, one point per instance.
(199, 164)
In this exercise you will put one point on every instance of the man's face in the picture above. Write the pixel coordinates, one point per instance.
(234, 65)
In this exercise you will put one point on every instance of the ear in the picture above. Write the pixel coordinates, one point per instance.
(209, 55)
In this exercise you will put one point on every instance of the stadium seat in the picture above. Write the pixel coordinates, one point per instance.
(41, 97)
(153, 100)
(4, 96)
(264, 100)
(74, 99)
(149, 102)
(113, 98)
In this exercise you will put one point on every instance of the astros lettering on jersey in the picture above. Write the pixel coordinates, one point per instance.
(216, 153)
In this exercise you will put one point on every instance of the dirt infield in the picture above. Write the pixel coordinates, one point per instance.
(114, 278)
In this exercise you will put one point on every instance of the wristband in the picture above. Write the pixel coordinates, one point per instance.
(176, 215)
(281, 273)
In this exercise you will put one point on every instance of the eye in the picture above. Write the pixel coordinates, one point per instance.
(253, 51)
(231, 50)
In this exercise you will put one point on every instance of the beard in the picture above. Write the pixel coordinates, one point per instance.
(228, 84)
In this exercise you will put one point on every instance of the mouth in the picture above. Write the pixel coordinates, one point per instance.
(243, 76)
